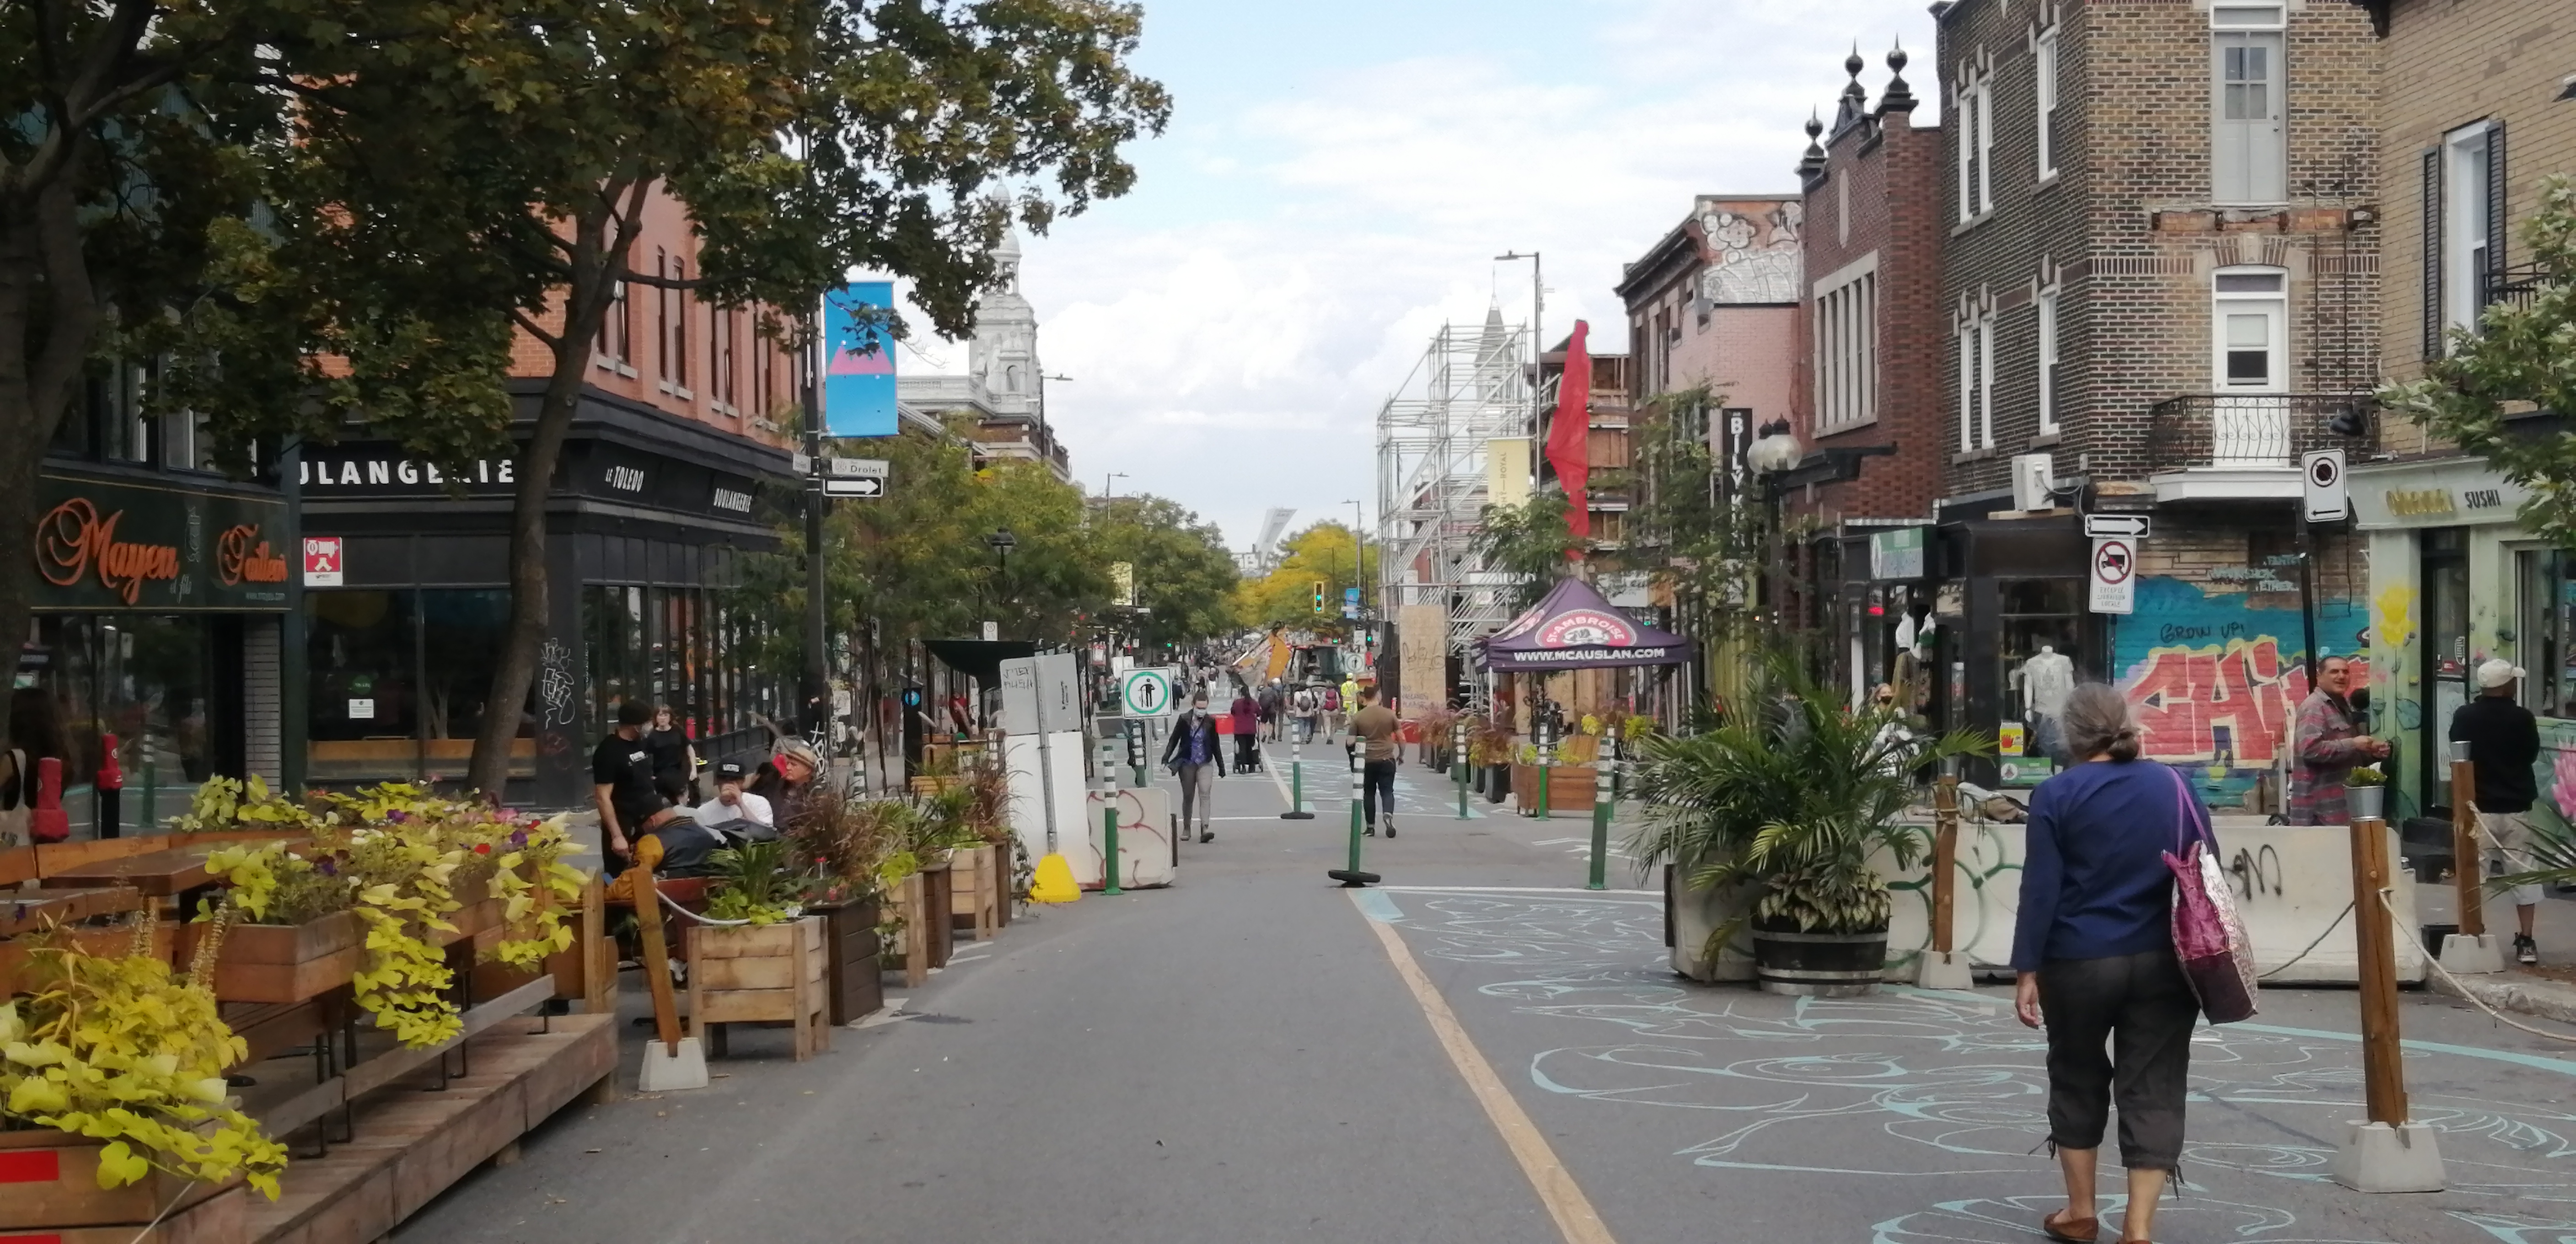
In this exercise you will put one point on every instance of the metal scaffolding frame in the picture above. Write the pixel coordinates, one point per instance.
(1470, 386)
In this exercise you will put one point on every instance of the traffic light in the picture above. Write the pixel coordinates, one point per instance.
(1319, 596)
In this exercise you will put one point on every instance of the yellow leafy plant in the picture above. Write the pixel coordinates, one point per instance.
(116, 1048)
(225, 803)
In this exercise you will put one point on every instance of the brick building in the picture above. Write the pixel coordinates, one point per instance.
(1869, 330)
(2475, 108)
(677, 439)
(2160, 282)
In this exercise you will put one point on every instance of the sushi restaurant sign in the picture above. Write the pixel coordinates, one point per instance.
(115, 545)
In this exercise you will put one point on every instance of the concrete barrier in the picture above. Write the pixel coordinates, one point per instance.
(2293, 885)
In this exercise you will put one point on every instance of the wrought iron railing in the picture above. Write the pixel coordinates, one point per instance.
(2256, 430)
(2517, 286)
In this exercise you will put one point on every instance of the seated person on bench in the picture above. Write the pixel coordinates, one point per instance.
(672, 844)
(735, 811)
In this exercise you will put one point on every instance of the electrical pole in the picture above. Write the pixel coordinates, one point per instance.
(1538, 336)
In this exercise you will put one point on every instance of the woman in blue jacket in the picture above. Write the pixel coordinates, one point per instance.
(2093, 948)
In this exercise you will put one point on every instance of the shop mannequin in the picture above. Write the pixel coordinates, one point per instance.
(2047, 678)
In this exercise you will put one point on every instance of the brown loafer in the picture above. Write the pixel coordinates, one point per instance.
(2070, 1230)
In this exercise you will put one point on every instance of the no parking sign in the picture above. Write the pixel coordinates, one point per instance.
(2114, 579)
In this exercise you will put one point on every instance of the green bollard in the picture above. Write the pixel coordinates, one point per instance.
(1601, 779)
(1352, 878)
(1296, 782)
(1543, 767)
(1458, 771)
(1109, 834)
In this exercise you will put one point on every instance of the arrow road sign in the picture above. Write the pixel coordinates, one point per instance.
(2096, 526)
(861, 487)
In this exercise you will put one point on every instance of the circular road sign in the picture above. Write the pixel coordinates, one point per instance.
(2114, 561)
(1145, 693)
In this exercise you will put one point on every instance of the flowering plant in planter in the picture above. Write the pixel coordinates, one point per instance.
(117, 1049)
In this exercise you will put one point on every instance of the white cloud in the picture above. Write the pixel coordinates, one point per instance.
(1234, 326)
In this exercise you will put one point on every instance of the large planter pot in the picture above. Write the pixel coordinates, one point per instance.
(280, 963)
(856, 983)
(1497, 783)
(1569, 788)
(762, 973)
(1819, 965)
(53, 1188)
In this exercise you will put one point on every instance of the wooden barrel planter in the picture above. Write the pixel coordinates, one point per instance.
(975, 891)
(748, 974)
(1819, 965)
(52, 1179)
(855, 981)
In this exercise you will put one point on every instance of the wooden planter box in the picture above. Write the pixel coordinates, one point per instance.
(283, 962)
(1569, 788)
(926, 940)
(926, 785)
(52, 1178)
(975, 891)
(111, 940)
(857, 985)
(749, 975)
(938, 896)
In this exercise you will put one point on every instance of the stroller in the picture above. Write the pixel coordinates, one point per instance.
(1247, 752)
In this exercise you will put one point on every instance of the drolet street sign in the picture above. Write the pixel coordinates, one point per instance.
(1146, 693)
(855, 477)
(2114, 581)
(2322, 495)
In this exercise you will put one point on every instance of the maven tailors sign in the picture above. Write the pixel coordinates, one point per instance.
(115, 545)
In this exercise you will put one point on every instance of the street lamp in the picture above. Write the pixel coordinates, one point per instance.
(1109, 485)
(1002, 541)
(1538, 313)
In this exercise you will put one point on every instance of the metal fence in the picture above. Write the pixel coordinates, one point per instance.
(2255, 430)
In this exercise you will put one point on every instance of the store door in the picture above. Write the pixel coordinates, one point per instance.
(2444, 659)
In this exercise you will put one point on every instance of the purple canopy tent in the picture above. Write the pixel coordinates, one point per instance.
(1574, 628)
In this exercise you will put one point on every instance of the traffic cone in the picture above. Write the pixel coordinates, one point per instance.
(1054, 882)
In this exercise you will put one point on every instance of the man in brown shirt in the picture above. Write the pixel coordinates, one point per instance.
(1373, 728)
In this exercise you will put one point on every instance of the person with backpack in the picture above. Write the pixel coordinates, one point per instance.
(1303, 706)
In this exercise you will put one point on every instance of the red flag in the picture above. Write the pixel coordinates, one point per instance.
(1569, 436)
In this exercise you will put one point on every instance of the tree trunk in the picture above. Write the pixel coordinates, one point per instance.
(595, 268)
(40, 259)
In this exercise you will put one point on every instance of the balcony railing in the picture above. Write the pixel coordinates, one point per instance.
(2255, 431)
(2517, 286)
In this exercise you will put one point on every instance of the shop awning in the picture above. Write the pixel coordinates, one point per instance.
(980, 659)
(1576, 629)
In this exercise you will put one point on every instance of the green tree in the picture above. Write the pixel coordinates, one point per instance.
(1325, 553)
(807, 139)
(2521, 360)
(1184, 576)
(1527, 542)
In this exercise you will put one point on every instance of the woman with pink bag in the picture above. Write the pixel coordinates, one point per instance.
(2094, 950)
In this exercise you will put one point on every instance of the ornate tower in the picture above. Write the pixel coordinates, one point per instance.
(1004, 354)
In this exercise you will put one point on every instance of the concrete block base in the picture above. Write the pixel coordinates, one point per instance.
(2376, 1157)
(2463, 955)
(1935, 970)
(665, 1071)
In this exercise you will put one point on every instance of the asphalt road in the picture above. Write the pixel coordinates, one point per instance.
(1237, 1058)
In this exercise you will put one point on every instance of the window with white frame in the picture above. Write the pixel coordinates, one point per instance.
(2044, 68)
(2248, 146)
(1846, 346)
(1977, 382)
(2047, 360)
(1976, 142)
(2464, 226)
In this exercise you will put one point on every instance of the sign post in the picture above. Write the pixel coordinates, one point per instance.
(2114, 581)
(2384, 1152)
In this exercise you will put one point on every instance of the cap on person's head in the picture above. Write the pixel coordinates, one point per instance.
(2496, 672)
(729, 771)
(634, 713)
(802, 752)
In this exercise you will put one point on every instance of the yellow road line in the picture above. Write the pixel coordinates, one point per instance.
(1575, 1218)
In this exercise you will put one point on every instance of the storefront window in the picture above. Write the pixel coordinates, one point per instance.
(2039, 650)
(463, 633)
(2548, 600)
(2446, 650)
(145, 678)
(364, 650)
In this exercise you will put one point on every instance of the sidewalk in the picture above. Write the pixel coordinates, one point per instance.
(2547, 991)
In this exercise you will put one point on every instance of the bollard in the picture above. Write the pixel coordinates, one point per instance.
(2384, 1152)
(108, 790)
(1543, 767)
(1352, 878)
(1601, 778)
(1296, 780)
(1109, 823)
(1458, 770)
(1943, 966)
(2472, 949)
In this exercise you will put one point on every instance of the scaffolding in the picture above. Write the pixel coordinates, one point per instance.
(1471, 387)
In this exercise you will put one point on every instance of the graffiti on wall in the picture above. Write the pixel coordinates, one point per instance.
(2217, 679)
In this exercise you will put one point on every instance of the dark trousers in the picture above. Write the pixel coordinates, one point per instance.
(1246, 752)
(1377, 778)
(2143, 1008)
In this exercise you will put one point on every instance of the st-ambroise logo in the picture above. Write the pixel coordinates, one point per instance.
(74, 540)
(242, 557)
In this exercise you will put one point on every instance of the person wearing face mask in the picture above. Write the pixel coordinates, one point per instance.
(1195, 756)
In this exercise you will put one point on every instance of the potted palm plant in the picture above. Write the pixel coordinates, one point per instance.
(1780, 812)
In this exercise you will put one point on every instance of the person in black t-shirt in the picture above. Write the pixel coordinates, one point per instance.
(621, 772)
(675, 758)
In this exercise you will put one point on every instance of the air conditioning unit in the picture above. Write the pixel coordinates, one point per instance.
(2032, 475)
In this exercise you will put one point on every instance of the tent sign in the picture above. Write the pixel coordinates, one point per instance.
(2114, 581)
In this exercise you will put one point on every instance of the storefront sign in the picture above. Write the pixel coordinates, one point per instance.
(2437, 494)
(383, 470)
(104, 544)
(1896, 554)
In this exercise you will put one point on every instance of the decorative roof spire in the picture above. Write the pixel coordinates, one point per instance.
(1811, 166)
(1898, 97)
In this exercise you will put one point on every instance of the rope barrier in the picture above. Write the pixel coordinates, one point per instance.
(674, 904)
(2387, 903)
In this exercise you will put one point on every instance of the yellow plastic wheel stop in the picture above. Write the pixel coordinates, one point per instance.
(1054, 882)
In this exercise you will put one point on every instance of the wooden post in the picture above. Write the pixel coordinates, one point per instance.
(1945, 861)
(916, 937)
(657, 958)
(2383, 1076)
(598, 950)
(2467, 862)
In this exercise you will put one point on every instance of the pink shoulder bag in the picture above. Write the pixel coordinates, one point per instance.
(2209, 937)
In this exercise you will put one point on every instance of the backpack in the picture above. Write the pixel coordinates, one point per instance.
(1332, 700)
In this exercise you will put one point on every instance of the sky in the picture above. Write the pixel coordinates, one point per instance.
(1335, 182)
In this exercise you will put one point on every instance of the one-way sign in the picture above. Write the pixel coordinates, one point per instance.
(2101, 526)
(855, 477)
